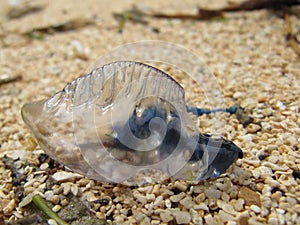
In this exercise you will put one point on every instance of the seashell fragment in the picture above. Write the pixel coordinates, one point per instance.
(124, 119)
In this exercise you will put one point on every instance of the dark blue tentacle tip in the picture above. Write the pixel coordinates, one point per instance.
(240, 154)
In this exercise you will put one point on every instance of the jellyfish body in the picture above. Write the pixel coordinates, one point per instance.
(124, 119)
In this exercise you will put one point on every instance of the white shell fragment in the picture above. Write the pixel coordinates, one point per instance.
(125, 120)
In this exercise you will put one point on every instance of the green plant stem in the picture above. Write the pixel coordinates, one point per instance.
(42, 205)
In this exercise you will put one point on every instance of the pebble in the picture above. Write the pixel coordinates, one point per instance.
(158, 201)
(156, 189)
(225, 197)
(262, 172)
(284, 205)
(255, 208)
(52, 222)
(196, 219)
(250, 196)
(238, 95)
(90, 196)
(56, 208)
(9, 207)
(177, 198)
(296, 208)
(253, 128)
(225, 185)
(243, 219)
(65, 176)
(247, 138)
(26, 200)
(55, 199)
(253, 162)
(266, 202)
(168, 203)
(187, 202)
(56, 189)
(168, 192)
(118, 219)
(198, 189)
(231, 223)
(145, 221)
(146, 189)
(182, 217)
(166, 216)
(273, 220)
(271, 182)
(266, 126)
(64, 202)
(225, 217)
(291, 201)
(141, 198)
(180, 186)
(213, 193)
(44, 166)
(150, 197)
(155, 222)
(74, 190)
(83, 182)
(77, 50)
(66, 188)
(209, 220)
(200, 198)
(229, 209)
(201, 206)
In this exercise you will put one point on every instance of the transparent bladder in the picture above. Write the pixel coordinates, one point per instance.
(127, 122)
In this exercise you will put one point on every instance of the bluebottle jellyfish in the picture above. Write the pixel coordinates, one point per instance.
(123, 120)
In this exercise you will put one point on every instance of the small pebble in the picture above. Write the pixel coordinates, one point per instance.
(200, 198)
(182, 217)
(64, 202)
(255, 208)
(243, 219)
(156, 189)
(168, 203)
(209, 220)
(66, 188)
(238, 95)
(52, 222)
(225, 217)
(177, 198)
(180, 186)
(187, 202)
(196, 219)
(74, 190)
(157, 201)
(26, 200)
(253, 128)
(166, 216)
(213, 193)
(250, 196)
(150, 197)
(56, 208)
(90, 196)
(55, 199)
(239, 204)
(8, 208)
(229, 209)
(65, 176)
(141, 198)
(201, 206)
(44, 166)
(118, 219)
(273, 220)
